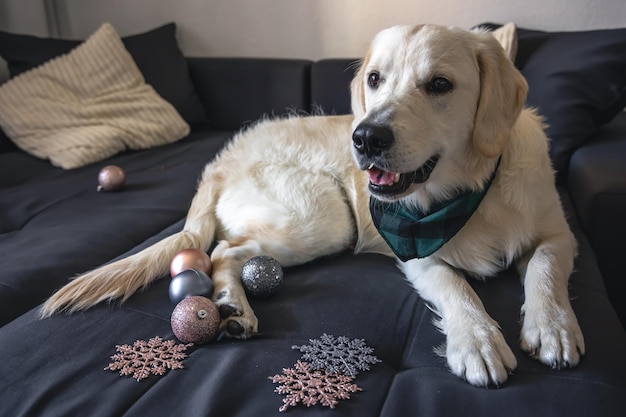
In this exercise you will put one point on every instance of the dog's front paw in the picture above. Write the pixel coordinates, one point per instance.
(480, 355)
(238, 319)
(553, 336)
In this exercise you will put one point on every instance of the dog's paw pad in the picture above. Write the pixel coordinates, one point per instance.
(239, 328)
(228, 310)
(233, 328)
(238, 319)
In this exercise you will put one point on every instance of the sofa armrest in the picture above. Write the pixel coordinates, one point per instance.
(597, 184)
(598, 170)
(236, 91)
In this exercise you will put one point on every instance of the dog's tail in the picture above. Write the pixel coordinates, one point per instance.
(121, 279)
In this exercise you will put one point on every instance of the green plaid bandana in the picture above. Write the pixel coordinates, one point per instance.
(415, 234)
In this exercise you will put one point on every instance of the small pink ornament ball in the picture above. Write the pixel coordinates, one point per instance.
(111, 178)
(190, 259)
(195, 320)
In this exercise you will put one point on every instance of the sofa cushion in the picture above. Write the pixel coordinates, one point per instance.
(240, 91)
(54, 224)
(57, 364)
(577, 80)
(155, 52)
(87, 105)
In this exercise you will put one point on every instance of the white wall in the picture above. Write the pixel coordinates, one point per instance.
(309, 29)
(23, 16)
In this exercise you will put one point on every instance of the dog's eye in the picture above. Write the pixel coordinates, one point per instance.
(374, 79)
(439, 85)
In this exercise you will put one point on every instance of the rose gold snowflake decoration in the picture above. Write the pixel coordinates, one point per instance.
(302, 385)
(143, 359)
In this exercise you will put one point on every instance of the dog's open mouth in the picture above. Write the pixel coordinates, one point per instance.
(388, 184)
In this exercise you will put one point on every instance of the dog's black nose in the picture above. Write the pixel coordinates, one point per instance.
(372, 140)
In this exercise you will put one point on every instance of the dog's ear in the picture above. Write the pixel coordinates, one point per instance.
(502, 95)
(357, 92)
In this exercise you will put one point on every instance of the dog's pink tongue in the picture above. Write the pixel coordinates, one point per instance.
(380, 177)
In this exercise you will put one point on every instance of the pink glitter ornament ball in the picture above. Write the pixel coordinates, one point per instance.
(111, 178)
(195, 319)
(190, 259)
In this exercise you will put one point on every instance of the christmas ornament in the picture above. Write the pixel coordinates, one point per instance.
(325, 372)
(338, 354)
(190, 259)
(190, 282)
(143, 359)
(111, 178)
(196, 320)
(261, 276)
(301, 384)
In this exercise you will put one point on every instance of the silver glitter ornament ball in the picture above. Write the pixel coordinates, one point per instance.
(261, 276)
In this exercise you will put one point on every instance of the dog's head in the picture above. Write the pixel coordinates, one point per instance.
(434, 107)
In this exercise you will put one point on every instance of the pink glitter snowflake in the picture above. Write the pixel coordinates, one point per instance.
(301, 385)
(143, 359)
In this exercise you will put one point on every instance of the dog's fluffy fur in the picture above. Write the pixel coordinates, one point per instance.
(291, 189)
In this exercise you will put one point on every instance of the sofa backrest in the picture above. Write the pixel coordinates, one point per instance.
(330, 84)
(238, 91)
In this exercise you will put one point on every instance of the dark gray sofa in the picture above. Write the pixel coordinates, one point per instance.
(53, 225)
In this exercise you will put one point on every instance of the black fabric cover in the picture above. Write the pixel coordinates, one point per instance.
(6, 144)
(577, 80)
(54, 224)
(264, 88)
(55, 367)
(597, 181)
(330, 84)
(155, 52)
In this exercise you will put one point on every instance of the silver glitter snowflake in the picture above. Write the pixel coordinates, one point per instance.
(143, 359)
(338, 354)
(301, 384)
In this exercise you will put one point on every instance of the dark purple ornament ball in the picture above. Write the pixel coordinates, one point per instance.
(195, 319)
(190, 282)
(261, 276)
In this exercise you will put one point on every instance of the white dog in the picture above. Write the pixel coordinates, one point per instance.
(461, 183)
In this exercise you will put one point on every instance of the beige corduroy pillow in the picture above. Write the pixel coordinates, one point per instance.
(507, 36)
(87, 105)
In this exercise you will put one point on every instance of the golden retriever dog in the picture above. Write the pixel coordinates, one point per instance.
(438, 132)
